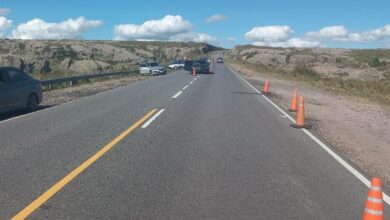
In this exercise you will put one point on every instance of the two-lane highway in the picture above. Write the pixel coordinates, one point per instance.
(175, 147)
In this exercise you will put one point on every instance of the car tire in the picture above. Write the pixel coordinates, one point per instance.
(32, 103)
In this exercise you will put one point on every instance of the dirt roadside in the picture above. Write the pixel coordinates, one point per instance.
(60, 96)
(357, 128)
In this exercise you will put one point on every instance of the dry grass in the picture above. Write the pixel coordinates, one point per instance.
(377, 91)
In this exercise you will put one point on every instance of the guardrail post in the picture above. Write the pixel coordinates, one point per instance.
(71, 83)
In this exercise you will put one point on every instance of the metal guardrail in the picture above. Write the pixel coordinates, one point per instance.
(74, 79)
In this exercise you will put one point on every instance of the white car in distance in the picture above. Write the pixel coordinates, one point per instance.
(176, 64)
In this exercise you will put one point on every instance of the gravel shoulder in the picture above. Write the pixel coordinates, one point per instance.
(355, 127)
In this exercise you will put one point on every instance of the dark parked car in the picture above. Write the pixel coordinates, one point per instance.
(219, 60)
(188, 65)
(18, 90)
(201, 66)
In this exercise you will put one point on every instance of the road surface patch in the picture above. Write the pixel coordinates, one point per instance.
(72, 175)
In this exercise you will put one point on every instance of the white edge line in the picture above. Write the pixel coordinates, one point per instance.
(185, 87)
(345, 164)
(191, 82)
(177, 94)
(153, 118)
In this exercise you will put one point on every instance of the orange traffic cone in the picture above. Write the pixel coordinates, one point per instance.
(266, 87)
(300, 121)
(374, 205)
(193, 71)
(294, 102)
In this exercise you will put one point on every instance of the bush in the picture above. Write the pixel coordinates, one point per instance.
(305, 70)
(375, 62)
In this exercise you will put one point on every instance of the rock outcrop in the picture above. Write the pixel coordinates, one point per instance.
(87, 66)
(328, 62)
(46, 56)
(12, 61)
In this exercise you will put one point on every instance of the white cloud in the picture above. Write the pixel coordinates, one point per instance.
(69, 29)
(269, 33)
(340, 33)
(4, 11)
(231, 39)
(278, 36)
(5, 23)
(292, 42)
(216, 18)
(193, 37)
(161, 29)
(329, 32)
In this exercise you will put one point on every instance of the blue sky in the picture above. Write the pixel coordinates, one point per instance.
(347, 23)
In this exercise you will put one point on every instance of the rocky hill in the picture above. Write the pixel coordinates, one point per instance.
(76, 56)
(373, 64)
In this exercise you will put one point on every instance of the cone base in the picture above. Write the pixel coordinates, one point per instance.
(292, 110)
(301, 126)
(265, 93)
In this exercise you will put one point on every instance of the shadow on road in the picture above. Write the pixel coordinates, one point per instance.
(246, 93)
(17, 113)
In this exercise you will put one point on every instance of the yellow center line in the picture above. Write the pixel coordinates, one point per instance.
(64, 181)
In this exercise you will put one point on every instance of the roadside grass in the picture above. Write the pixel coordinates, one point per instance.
(377, 91)
(371, 56)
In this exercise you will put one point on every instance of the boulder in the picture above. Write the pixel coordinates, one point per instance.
(65, 64)
(12, 61)
(37, 66)
(123, 55)
(89, 66)
(306, 59)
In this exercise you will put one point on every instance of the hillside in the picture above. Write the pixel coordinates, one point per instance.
(368, 64)
(50, 58)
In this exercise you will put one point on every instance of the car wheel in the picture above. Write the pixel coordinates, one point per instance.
(32, 103)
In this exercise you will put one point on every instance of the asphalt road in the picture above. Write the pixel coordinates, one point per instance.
(217, 150)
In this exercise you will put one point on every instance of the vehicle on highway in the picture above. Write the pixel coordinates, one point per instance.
(219, 60)
(176, 64)
(188, 65)
(152, 68)
(201, 66)
(18, 90)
